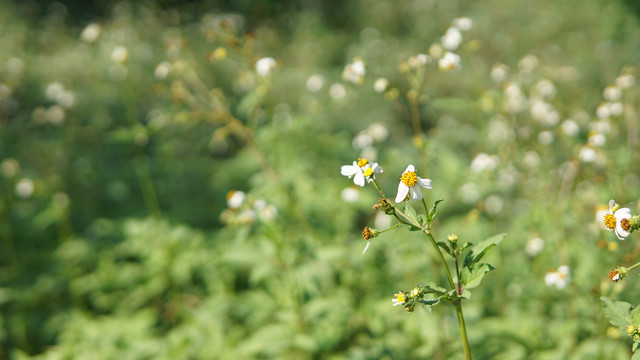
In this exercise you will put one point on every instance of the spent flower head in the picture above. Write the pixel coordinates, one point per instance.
(409, 186)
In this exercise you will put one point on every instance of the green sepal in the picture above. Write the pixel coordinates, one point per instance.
(432, 213)
(478, 251)
(472, 276)
(618, 312)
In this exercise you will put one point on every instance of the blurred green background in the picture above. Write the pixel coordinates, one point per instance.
(164, 195)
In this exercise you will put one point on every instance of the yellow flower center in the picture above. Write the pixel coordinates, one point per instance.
(610, 221)
(409, 178)
(368, 172)
(362, 162)
(402, 297)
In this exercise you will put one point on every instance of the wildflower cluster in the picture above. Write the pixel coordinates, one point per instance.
(468, 271)
(243, 209)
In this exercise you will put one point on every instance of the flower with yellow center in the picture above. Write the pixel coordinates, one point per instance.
(399, 298)
(361, 170)
(617, 220)
(410, 183)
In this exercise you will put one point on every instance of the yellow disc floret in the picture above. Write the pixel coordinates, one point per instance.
(409, 178)
(402, 298)
(362, 162)
(368, 172)
(610, 221)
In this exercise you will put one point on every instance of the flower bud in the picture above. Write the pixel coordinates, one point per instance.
(636, 337)
(452, 238)
(631, 329)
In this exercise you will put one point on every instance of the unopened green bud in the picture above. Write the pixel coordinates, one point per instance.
(410, 307)
(636, 336)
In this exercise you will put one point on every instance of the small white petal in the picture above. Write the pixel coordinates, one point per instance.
(410, 168)
(415, 193)
(403, 190)
(366, 247)
(425, 183)
(358, 179)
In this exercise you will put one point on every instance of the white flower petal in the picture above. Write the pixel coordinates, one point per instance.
(366, 247)
(403, 190)
(410, 168)
(415, 193)
(425, 183)
(358, 179)
(349, 170)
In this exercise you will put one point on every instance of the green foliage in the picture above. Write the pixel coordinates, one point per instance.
(122, 142)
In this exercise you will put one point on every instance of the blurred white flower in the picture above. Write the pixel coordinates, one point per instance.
(362, 140)
(350, 194)
(382, 220)
(603, 111)
(545, 88)
(463, 23)
(24, 188)
(235, 199)
(546, 137)
(53, 90)
(616, 108)
(435, 51)
(612, 93)
(246, 217)
(380, 85)
(119, 54)
(409, 186)
(418, 60)
(354, 72)
(378, 132)
(90, 33)
(531, 159)
(493, 204)
(55, 115)
(570, 127)
(265, 65)
(499, 72)
(528, 63)
(596, 139)
(10, 167)
(337, 91)
(452, 38)
(515, 100)
(449, 61)
(534, 246)
(587, 154)
(66, 99)
(469, 193)
(626, 81)
(162, 70)
(267, 213)
(483, 161)
(559, 278)
(315, 82)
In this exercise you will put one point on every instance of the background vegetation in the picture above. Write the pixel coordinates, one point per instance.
(125, 129)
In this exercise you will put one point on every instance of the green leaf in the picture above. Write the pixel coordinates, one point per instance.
(435, 288)
(635, 346)
(636, 354)
(432, 213)
(635, 316)
(412, 214)
(478, 251)
(453, 294)
(618, 312)
(445, 246)
(472, 276)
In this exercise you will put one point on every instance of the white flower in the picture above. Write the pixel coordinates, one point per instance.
(617, 219)
(360, 171)
(449, 61)
(399, 298)
(90, 33)
(354, 72)
(119, 54)
(337, 91)
(315, 83)
(452, 38)
(381, 85)
(534, 246)
(409, 185)
(559, 278)
(235, 199)
(350, 194)
(265, 65)
(463, 23)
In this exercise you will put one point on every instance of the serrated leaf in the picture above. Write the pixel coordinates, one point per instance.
(618, 312)
(479, 250)
(472, 276)
(435, 288)
(429, 302)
